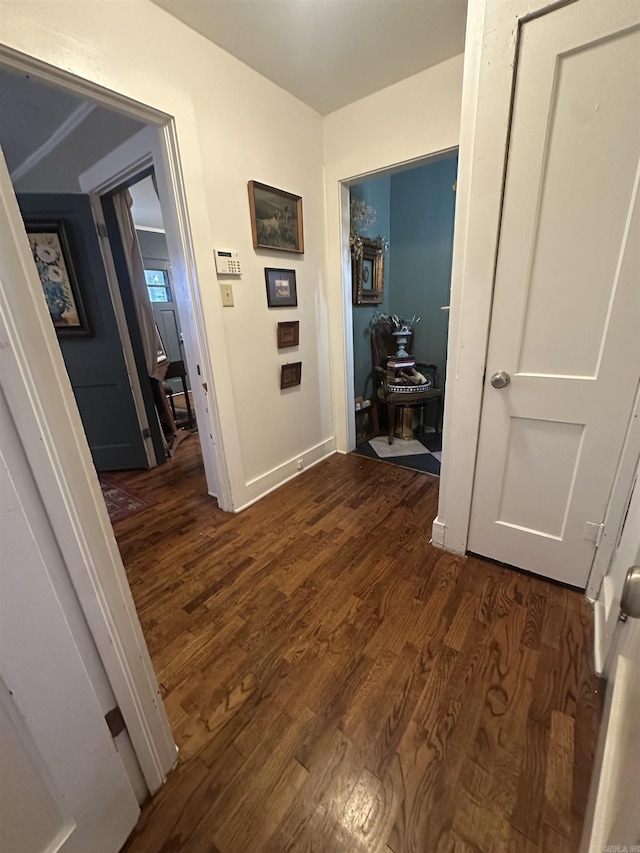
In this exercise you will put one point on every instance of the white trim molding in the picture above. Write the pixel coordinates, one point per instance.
(40, 398)
(268, 482)
(618, 501)
(156, 146)
(491, 49)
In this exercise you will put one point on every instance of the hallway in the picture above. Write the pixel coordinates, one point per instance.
(336, 684)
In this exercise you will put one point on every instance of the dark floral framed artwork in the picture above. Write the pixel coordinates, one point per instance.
(53, 256)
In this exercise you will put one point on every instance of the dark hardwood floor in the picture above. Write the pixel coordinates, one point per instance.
(337, 684)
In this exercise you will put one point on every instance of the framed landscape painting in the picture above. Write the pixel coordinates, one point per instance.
(52, 254)
(276, 218)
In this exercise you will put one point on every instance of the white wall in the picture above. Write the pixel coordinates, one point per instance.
(232, 125)
(405, 122)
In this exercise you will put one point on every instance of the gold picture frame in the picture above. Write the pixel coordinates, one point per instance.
(276, 219)
(367, 272)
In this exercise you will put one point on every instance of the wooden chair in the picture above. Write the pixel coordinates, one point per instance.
(177, 370)
(383, 346)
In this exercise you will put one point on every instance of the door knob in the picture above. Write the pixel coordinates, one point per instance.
(630, 600)
(500, 379)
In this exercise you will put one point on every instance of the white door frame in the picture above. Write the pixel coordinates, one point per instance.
(43, 407)
(347, 290)
(156, 145)
(139, 152)
(39, 394)
(618, 501)
(491, 50)
(618, 504)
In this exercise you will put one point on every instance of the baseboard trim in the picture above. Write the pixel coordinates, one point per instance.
(437, 533)
(263, 485)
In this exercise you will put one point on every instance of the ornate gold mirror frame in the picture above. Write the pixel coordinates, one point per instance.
(367, 272)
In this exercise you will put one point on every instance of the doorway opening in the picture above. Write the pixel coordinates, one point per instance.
(56, 450)
(118, 328)
(401, 239)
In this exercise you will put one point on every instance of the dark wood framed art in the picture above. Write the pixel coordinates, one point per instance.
(53, 256)
(288, 334)
(276, 218)
(291, 374)
(367, 272)
(281, 288)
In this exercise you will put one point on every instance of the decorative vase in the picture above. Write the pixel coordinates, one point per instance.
(402, 339)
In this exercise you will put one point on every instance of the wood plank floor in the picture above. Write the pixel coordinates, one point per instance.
(337, 684)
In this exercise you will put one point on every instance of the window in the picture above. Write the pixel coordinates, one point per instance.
(158, 286)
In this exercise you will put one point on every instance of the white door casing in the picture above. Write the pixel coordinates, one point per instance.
(613, 818)
(37, 390)
(156, 146)
(62, 786)
(566, 308)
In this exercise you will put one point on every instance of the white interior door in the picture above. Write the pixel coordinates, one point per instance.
(613, 820)
(62, 785)
(566, 314)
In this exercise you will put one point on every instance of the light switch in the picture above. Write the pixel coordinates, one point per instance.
(227, 295)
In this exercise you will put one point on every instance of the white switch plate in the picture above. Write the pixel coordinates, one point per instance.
(227, 295)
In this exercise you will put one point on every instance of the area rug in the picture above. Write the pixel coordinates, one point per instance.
(121, 503)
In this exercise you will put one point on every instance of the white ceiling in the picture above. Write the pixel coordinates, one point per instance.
(329, 53)
(30, 113)
(49, 136)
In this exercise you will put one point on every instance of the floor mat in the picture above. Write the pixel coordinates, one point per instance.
(419, 454)
(121, 503)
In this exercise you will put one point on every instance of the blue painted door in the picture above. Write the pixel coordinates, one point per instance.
(95, 363)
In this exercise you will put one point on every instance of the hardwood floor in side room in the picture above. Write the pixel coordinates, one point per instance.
(336, 684)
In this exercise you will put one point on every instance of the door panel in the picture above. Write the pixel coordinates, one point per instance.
(566, 307)
(33, 817)
(538, 451)
(95, 364)
(63, 785)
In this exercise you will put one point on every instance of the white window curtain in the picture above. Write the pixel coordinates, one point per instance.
(155, 356)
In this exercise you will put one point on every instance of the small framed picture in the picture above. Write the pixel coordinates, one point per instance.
(276, 218)
(290, 374)
(53, 257)
(288, 334)
(281, 288)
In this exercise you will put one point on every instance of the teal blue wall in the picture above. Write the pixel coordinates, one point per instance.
(415, 212)
(377, 194)
(422, 210)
